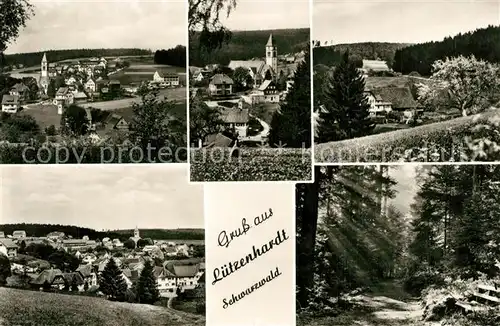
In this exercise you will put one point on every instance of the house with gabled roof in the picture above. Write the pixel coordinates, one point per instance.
(11, 103)
(8, 247)
(221, 85)
(53, 276)
(235, 119)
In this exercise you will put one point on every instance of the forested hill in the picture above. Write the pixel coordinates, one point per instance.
(34, 58)
(330, 55)
(41, 230)
(483, 43)
(245, 45)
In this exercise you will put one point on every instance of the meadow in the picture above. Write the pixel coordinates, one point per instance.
(436, 142)
(23, 307)
(254, 164)
(139, 72)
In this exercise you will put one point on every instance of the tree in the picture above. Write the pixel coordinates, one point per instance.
(345, 112)
(203, 120)
(241, 78)
(22, 247)
(130, 244)
(19, 128)
(155, 125)
(5, 271)
(51, 89)
(86, 286)
(462, 83)
(141, 243)
(147, 287)
(74, 285)
(111, 282)
(46, 286)
(291, 125)
(204, 17)
(74, 121)
(13, 17)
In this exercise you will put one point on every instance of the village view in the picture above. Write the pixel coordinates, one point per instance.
(250, 98)
(86, 97)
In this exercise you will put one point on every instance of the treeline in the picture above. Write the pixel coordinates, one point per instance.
(34, 58)
(41, 230)
(245, 45)
(331, 55)
(164, 234)
(482, 43)
(173, 57)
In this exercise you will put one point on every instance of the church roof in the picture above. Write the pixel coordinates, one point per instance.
(270, 41)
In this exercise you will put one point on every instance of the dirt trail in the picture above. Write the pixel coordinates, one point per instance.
(387, 304)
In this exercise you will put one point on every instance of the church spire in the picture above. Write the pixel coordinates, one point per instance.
(44, 59)
(270, 41)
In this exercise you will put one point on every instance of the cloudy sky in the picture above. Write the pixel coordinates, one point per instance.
(269, 14)
(68, 24)
(101, 196)
(406, 21)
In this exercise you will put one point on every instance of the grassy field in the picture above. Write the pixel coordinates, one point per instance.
(21, 307)
(45, 115)
(254, 164)
(435, 142)
(144, 71)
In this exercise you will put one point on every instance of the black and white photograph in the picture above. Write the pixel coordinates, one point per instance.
(399, 245)
(250, 115)
(406, 81)
(101, 245)
(93, 81)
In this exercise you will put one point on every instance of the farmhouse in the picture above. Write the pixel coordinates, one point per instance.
(80, 97)
(19, 234)
(166, 80)
(267, 92)
(220, 85)
(10, 103)
(236, 120)
(8, 247)
(400, 98)
(377, 103)
(63, 98)
(53, 277)
(116, 122)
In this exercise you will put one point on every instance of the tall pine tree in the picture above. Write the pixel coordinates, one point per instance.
(344, 112)
(147, 287)
(111, 282)
(291, 125)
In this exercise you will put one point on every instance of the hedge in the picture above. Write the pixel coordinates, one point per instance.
(472, 138)
(252, 164)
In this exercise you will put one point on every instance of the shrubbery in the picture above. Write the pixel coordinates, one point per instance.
(253, 164)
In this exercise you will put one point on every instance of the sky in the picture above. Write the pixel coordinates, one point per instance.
(101, 196)
(261, 15)
(404, 21)
(65, 24)
(406, 187)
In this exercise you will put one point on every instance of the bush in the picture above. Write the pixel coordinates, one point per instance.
(253, 164)
(200, 308)
(51, 130)
(423, 279)
(472, 138)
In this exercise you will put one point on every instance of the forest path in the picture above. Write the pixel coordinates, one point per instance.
(386, 304)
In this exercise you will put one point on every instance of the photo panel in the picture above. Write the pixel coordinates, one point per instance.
(101, 245)
(250, 113)
(93, 82)
(406, 81)
(410, 244)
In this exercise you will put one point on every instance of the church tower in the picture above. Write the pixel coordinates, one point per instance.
(136, 233)
(272, 55)
(44, 74)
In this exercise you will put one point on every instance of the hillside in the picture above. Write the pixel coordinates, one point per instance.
(34, 58)
(249, 44)
(41, 230)
(21, 307)
(330, 55)
(483, 43)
